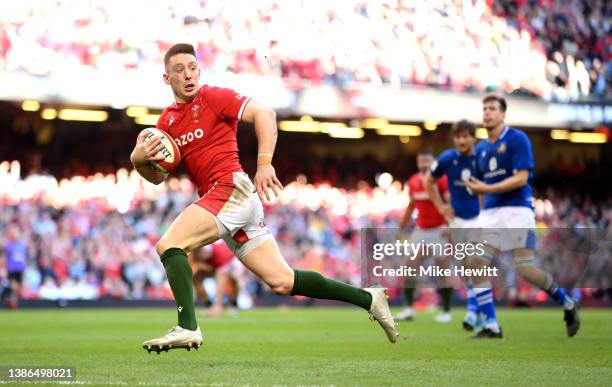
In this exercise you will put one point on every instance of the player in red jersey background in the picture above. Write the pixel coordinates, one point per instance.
(204, 121)
(217, 261)
(430, 229)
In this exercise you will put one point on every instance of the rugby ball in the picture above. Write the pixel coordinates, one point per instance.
(170, 150)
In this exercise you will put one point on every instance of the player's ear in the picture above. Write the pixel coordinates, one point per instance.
(166, 79)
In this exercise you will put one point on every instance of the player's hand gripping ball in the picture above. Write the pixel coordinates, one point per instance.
(169, 150)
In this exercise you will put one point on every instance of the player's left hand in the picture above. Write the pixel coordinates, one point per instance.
(477, 186)
(266, 180)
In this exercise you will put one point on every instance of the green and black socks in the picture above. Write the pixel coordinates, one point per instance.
(409, 295)
(180, 276)
(446, 295)
(410, 286)
(313, 284)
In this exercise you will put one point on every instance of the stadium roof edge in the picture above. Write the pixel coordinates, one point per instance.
(325, 101)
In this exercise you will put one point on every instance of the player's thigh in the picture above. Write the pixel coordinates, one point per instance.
(193, 228)
(443, 261)
(522, 253)
(414, 261)
(267, 262)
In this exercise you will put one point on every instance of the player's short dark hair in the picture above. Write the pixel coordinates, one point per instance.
(463, 125)
(179, 48)
(494, 97)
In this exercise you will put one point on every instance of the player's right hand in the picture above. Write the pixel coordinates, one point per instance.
(145, 151)
(266, 180)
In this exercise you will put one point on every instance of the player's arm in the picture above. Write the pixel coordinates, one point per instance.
(516, 181)
(145, 151)
(407, 215)
(264, 120)
(434, 195)
(221, 278)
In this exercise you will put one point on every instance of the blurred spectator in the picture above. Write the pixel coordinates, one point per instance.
(101, 247)
(16, 251)
(463, 45)
(576, 37)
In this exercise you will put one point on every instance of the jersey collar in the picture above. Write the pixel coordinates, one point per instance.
(503, 133)
(472, 153)
(501, 136)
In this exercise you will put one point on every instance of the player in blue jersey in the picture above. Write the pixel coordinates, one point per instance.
(458, 164)
(504, 170)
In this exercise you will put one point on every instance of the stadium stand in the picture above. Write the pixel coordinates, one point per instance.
(558, 50)
(94, 237)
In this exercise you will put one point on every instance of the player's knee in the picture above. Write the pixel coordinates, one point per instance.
(162, 245)
(282, 284)
(530, 273)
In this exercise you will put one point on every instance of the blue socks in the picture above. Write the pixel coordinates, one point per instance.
(557, 293)
(472, 305)
(484, 298)
(560, 297)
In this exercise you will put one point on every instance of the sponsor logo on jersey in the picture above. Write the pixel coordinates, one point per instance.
(501, 148)
(492, 164)
(189, 137)
(195, 112)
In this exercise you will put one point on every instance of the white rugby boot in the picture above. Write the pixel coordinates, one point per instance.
(407, 314)
(444, 318)
(380, 312)
(176, 337)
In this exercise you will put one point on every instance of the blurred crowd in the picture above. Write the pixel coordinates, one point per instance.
(550, 48)
(576, 38)
(94, 237)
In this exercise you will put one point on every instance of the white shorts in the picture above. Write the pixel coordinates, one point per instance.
(430, 236)
(238, 213)
(462, 230)
(506, 228)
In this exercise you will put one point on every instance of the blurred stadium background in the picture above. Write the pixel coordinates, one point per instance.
(359, 87)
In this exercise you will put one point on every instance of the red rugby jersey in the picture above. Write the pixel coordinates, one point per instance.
(221, 254)
(205, 132)
(427, 216)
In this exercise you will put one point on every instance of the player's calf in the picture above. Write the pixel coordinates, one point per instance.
(526, 266)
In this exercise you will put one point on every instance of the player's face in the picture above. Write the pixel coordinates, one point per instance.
(183, 76)
(423, 162)
(464, 142)
(492, 115)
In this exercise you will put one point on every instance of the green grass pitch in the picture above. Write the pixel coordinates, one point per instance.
(310, 347)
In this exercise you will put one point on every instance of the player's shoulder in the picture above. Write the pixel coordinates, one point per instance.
(208, 91)
(166, 110)
(516, 136)
(161, 121)
(482, 145)
(447, 155)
